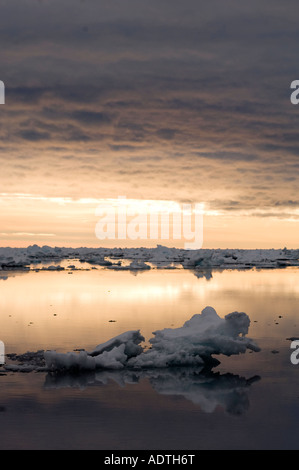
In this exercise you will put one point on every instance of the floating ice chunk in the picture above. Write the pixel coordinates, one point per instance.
(130, 339)
(195, 342)
(112, 354)
(19, 368)
(27, 362)
(113, 359)
(139, 265)
(53, 267)
(68, 361)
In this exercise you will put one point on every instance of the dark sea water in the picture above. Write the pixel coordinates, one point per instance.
(250, 401)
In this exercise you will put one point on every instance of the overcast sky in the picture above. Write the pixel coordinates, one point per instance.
(186, 101)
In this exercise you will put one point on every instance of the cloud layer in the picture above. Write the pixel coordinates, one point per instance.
(186, 101)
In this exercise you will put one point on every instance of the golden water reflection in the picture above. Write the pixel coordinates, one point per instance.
(56, 310)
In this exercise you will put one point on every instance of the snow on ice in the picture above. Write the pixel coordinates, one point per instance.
(197, 340)
(193, 344)
(160, 257)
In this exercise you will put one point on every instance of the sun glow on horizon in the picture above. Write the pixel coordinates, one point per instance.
(65, 221)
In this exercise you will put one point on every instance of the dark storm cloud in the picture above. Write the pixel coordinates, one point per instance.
(30, 95)
(228, 156)
(288, 203)
(281, 149)
(91, 117)
(33, 135)
(123, 148)
(167, 134)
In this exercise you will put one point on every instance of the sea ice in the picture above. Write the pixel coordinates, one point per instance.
(161, 257)
(197, 340)
(112, 354)
(193, 344)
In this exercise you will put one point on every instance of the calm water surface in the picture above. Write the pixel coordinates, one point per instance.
(249, 401)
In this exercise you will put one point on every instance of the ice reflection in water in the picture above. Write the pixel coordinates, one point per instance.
(206, 389)
(149, 409)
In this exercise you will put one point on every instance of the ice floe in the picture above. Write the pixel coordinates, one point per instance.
(198, 340)
(160, 257)
(194, 344)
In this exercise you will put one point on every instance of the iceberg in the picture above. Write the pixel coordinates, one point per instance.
(193, 344)
(113, 354)
(197, 340)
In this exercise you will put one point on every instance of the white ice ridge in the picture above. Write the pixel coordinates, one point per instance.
(139, 259)
(192, 344)
(113, 354)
